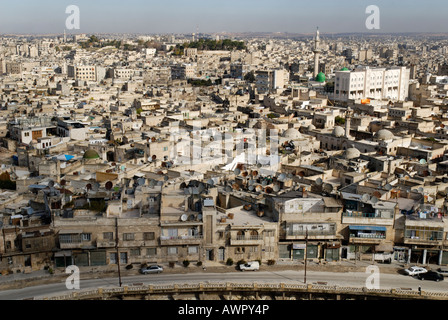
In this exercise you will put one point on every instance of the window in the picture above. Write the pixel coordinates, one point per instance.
(123, 257)
(113, 258)
(128, 236)
(151, 252)
(193, 250)
(108, 235)
(172, 250)
(86, 236)
(148, 236)
(135, 252)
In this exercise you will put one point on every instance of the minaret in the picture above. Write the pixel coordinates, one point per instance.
(65, 36)
(316, 54)
(348, 117)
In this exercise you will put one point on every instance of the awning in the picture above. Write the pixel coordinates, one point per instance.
(65, 253)
(369, 228)
(70, 231)
(385, 247)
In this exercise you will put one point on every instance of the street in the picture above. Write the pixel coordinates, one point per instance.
(352, 279)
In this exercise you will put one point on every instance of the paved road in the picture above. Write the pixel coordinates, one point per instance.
(353, 279)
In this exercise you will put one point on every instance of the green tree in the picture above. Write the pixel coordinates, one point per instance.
(339, 120)
(249, 77)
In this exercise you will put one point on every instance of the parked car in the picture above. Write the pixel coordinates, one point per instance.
(430, 275)
(413, 271)
(151, 269)
(250, 266)
(442, 271)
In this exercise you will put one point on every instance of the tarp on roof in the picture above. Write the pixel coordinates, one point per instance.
(36, 186)
(65, 157)
(369, 228)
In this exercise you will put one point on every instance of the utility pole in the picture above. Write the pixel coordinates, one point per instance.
(118, 254)
(306, 249)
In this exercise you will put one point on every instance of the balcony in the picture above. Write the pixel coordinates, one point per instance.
(181, 240)
(367, 238)
(371, 218)
(246, 240)
(312, 235)
(77, 245)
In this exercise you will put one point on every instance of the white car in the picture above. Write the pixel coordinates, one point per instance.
(250, 266)
(413, 271)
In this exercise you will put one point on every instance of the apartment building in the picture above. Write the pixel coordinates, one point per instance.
(375, 83)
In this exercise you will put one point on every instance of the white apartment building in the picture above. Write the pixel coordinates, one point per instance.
(269, 80)
(123, 73)
(374, 83)
(85, 73)
(183, 71)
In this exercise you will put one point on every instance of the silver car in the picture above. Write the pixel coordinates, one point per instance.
(413, 271)
(151, 269)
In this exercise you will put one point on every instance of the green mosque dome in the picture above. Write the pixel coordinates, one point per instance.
(345, 69)
(320, 77)
(91, 154)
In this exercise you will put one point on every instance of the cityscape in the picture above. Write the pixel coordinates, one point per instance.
(317, 154)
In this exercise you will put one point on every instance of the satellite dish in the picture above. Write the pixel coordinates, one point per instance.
(191, 217)
(160, 183)
(152, 183)
(211, 182)
(237, 171)
(228, 189)
(184, 217)
(282, 177)
(166, 178)
(420, 189)
(365, 197)
(276, 188)
(201, 188)
(422, 161)
(141, 181)
(109, 185)
(89, 186)
(51, 183)
(319, 181)
(290, 176)
(200, 217)
(374, 200)
(251, 188)
(186, 191)
(327, 188)
(264, 183)
(95, 186)
(388, 187)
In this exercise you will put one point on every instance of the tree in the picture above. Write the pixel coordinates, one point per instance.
(249, 77)
(339, 120)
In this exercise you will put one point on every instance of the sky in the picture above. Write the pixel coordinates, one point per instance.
(211, 16)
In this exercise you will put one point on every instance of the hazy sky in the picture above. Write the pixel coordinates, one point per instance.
(184, 16)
